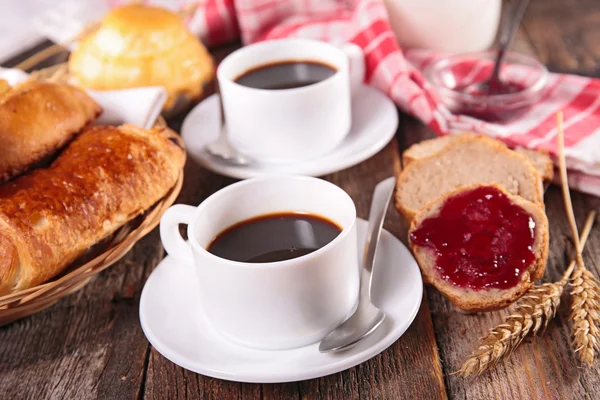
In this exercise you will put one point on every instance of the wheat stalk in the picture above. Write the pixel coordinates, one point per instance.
(585, 295)
(584, 314)
(532, 312)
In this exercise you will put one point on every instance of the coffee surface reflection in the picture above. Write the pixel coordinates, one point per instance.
(285, 75)
(274, 237)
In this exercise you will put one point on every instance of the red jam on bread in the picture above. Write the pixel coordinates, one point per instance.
(480, 239)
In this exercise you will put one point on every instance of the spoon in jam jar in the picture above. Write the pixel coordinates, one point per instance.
(367, 316)
(494, 85)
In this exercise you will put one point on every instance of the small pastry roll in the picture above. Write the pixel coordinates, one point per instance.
(37, 119)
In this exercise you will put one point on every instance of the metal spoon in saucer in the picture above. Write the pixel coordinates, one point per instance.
(221, 148)
(367, 316)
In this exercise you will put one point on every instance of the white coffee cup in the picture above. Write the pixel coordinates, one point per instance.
(276, 305)
(291, 124)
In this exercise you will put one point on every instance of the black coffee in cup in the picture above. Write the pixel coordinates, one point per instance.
(285, 75)
(274, 237)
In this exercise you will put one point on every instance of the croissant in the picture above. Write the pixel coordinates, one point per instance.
(103, 179)
(37, 119)
(138, 45)
(4, 87)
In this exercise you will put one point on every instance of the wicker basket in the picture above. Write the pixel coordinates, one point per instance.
(30, 301)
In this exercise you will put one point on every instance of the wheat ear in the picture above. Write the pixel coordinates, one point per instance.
(532, 312)
(585, 293)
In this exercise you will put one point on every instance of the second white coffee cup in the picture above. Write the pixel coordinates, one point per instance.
(290, 124)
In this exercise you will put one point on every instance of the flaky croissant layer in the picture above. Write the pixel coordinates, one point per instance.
(103, 179)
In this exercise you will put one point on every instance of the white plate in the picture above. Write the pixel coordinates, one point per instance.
(171, 318)
(374, 123)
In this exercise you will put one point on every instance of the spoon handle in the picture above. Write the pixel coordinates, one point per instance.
(220, 96)
(379, 204)
(512, 20)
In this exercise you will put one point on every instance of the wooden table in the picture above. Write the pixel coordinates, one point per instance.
(90, 345)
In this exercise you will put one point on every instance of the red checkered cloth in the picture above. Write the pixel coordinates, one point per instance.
(398, 73)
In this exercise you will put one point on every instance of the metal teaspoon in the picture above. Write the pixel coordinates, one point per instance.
(367, 316)
(513, 17)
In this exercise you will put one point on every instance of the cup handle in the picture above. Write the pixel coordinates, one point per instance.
(356, 59)
(169, 231)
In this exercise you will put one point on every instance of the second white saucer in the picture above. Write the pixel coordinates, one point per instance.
(374, 123)
(172, 319)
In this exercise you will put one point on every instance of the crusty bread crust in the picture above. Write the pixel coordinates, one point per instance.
(539, 158)
(435, 163)
(428, 147)
(541, 161)
(484, 300)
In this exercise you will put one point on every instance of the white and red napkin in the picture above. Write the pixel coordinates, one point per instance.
(398, 73)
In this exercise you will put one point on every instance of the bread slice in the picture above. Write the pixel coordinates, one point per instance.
(485, 299)
(428, 147)
(469, 159)
(540, 159)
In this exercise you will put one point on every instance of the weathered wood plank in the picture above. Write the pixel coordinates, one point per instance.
(565, 34)
(522, 43)
(89, 344)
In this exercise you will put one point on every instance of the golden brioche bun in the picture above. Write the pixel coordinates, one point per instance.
(138, 46)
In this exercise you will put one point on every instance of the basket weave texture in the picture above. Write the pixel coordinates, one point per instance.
(26, 302)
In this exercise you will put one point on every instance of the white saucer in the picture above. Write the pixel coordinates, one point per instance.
(374, 123)
(173, 323)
